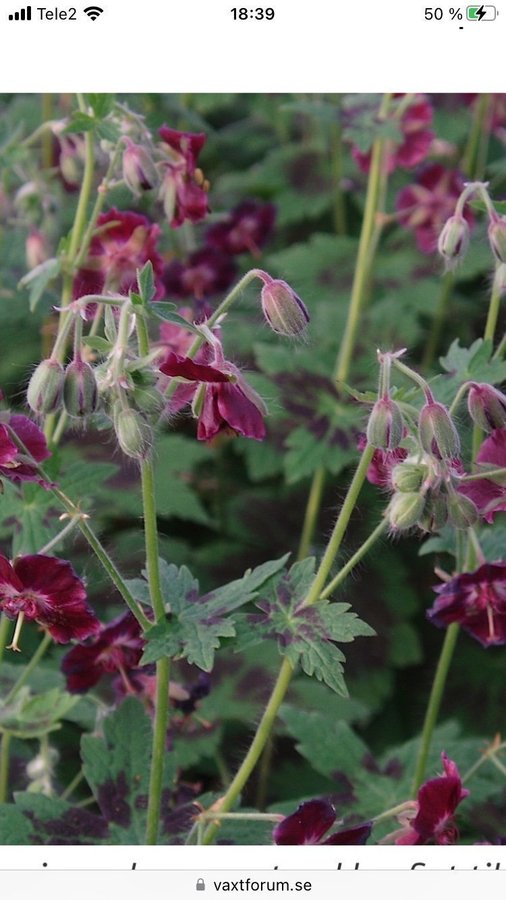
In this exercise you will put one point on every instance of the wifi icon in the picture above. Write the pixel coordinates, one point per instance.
(93, 12)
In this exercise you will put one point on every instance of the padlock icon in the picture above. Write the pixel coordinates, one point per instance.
(201, 885)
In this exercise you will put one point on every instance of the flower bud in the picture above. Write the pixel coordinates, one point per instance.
(408, 477)
(454, 240)
(284, 310)
(385, 428)
(45, 388)
(36, 249)
(438, 434)
(487, 406)
(133, 432)
(497, 238)
(435, 514)
(462, 512)
(405, 510)
(80, 389)
(149, 400)
(139, 170)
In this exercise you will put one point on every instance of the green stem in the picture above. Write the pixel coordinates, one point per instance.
(362, 267)
(438, 321)
(393, 811)
(29, 668)
(483, 473)
(248, 817)
(285, 674)
(475, 155)
(76, 781)
(155, 590)
(343, 519)
(436, 696)
(312, 511)
(489, 334)
(369, 236)
(352, 562)
(5, 745)
(253, 755)
(494, 307)
(60, 536)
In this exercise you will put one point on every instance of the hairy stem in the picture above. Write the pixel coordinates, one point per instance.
(155, 591)
(376, 188)
(285, 674)
(438, 321)
(5, 746)
(434, 704)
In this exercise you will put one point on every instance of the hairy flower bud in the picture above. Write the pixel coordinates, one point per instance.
(497, 237)
(438, 434)
(45, 388)
(385, 428)
(435, 514)
(462, 512)
(80, 389)
(139, 170)
(284, 310)
(133, 432)
(454, 240)
(487, 406)
(149, 400)
(408, 477)
(405, 510)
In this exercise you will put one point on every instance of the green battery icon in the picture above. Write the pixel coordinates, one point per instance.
(481, 13)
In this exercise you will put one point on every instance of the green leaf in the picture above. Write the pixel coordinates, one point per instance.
(33, 716)
(79, 122)
(329, 746)
(175, 462)
(116, 766)
(38, 279)
(196, 624)
(101, 104)
(146, 282)
(98, 343)
(474, 363)
(108, 131)
(165, 311)
(307, 453)
(15, 828)
(54, 821)
(306, 635)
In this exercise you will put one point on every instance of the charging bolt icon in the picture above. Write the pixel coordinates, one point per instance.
(481, 13)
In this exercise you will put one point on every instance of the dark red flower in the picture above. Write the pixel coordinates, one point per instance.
(477, 601)
(206, 272)
(309, 823)
(417, 136)
(382, 463)
(117, 647)
(222, 399)
(47, 590)
(184, 189)
(489, 496)
(245, 230)
(14, 465)
(425, 206)
(436, 803)
(124, 243)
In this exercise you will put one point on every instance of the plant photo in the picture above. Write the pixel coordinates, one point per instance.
(253, 469)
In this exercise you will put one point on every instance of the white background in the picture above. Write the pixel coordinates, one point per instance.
(310, 46)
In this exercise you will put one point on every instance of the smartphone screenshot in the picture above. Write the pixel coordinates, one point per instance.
(252, 449)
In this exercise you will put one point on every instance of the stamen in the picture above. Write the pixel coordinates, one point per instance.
(17, 632)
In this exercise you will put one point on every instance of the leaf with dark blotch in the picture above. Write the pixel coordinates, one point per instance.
(36, 819)
(116, 766)
(306, 635)
(195, 624)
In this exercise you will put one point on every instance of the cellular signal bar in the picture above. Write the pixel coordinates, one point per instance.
(24, 15)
